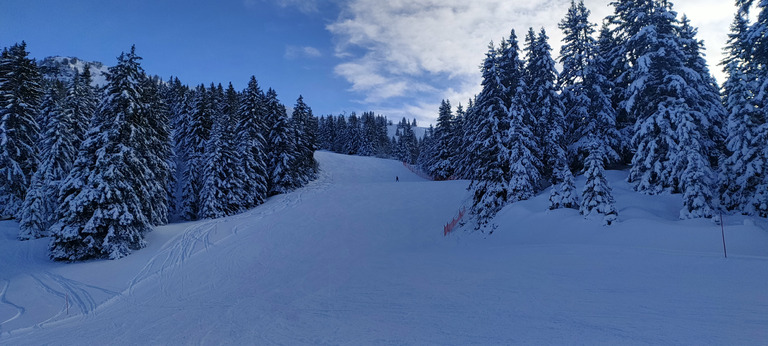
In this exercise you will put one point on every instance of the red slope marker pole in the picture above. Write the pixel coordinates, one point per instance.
(722, 231)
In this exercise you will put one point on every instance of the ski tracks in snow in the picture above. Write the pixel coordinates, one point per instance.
(78, 297)
(72, 298)
(204, 234)
(4, 301)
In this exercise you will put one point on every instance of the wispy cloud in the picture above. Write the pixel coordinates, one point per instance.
(305, 6)
(419, 52)
(296, 52)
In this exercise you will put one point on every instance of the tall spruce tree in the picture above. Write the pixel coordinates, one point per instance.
(220, 191)
(442, 167)
(252, 152)
(305, 128)
(56, 157)
(82, 100)
(407, 143)
(629, 18)
(340, 138)
(517, 126)
(282, 152)
(367, 134)
(744, 183)
(545, 104)
(709, 108)
(195, 133)
(176, 97)
(102, 199)
(658, 93)
(353, 132)
(491, 166)
(156, 152)
(577, 47)
(758, 39)
(673, 124)
(600, 126)
(20, 93)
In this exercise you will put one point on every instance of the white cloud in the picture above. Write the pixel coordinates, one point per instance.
(432, 48)
(295, 52)
(305, 6)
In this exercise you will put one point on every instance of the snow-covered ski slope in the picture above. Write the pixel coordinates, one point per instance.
(356, 258)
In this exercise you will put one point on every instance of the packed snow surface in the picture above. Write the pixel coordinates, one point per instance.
(357, 258)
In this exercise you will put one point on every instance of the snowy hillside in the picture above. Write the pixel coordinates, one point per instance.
(357, 258)
(63, 68)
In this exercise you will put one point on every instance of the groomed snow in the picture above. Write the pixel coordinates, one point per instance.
(356, 258)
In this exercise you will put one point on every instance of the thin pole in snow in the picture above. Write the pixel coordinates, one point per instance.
(722, 231)
(66, 298)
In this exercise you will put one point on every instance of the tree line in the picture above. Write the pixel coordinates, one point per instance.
(94, 169)
(634, 93)
(368, 135)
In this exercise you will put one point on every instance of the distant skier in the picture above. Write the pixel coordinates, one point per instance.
(397, 178)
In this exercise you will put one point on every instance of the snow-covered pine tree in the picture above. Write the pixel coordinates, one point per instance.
(517, 126)
(282, 153)
(56, 157)
(368, 134)
(563, 194)
(353, 133)
(156, 152)
(83, 101)
(384, 149)
(758, 38)
(304, 124)
(327, 132)
(220, 184)
(577, 47)
(20, 92)
(657, 92)
(340, 138)
(252, 154)
(174, 95)
(195, 133)
(600, 125)
(675, 112)
(101, 200)
(322, 133)
(602, 92)
(408, 144)
(710, 110)
(545, 104)
(442, 168)
(465, 160)
(491, 169)
(427, 150)
(239, 196)
(331, 131)
(606, 46)
(597, 198)
(696, 175)
(741, 168)
(629, 17)
(455, 139)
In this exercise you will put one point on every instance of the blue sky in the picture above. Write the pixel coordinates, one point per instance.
(398, 58)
